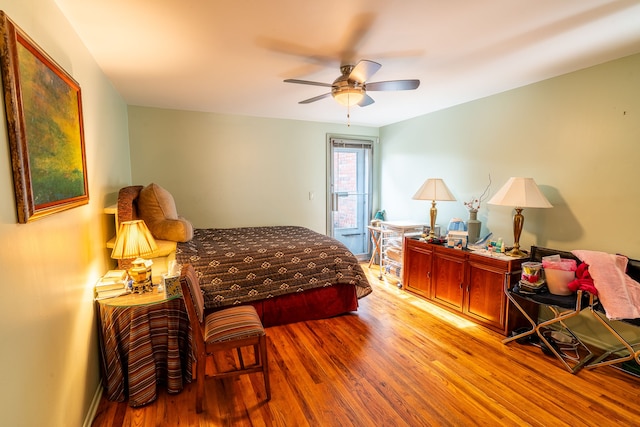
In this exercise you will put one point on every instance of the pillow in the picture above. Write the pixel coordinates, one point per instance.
(157, 209)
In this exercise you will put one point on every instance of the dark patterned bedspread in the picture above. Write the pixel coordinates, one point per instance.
(238, 265)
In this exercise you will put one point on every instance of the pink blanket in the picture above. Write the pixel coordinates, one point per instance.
(618, 293)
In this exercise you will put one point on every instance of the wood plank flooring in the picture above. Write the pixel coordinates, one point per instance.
(397, 361)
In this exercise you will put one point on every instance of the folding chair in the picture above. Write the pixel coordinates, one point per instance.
(573, 354)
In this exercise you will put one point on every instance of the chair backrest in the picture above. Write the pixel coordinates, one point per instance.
(194, 301)
(537, 252)
(633, 269)
(191, 286)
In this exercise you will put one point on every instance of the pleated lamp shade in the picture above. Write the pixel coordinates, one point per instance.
(134, 240)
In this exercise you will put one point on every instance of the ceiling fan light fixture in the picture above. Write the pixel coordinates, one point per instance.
(348, 96)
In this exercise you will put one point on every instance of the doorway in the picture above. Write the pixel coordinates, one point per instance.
(349, 195)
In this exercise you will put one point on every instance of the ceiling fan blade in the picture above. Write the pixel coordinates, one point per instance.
(307, 82)
(352, 41)
(364, 70)
(301, 51)
(394, 85)
(315, 98)
(366, 100)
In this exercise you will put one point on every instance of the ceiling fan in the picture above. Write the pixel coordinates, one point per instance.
(351, 87)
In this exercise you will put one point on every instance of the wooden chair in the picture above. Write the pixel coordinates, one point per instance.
(231, 328)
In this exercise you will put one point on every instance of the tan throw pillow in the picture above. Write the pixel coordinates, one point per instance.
(158, 210)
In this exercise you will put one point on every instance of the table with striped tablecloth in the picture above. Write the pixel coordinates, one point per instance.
(145, 341)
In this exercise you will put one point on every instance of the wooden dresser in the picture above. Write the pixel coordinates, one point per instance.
(464, 282)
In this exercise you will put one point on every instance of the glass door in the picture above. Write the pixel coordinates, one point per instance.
(350, 193)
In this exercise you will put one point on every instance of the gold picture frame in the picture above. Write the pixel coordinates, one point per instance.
(43, 107)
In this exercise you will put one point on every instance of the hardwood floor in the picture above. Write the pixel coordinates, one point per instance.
(397, 361)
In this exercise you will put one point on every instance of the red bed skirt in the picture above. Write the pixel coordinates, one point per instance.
(319, 303)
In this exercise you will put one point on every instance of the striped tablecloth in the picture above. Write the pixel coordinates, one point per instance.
(144, 346)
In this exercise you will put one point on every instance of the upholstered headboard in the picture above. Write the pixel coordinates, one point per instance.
(128, 203)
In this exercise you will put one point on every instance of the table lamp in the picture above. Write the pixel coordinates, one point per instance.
(519, 193)
(134, 241)
(433, 189)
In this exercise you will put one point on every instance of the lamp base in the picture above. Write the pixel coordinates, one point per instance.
(140, 273)
(428, 234)
(141, 287)
(516, 252)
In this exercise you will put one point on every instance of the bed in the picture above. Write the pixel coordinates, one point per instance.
(288, 273)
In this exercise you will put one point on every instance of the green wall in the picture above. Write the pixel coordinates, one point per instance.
(49, 354)
(577, 135)
(235, 171)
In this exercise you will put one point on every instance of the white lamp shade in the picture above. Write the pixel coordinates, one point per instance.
(434, 189)
(133, 240)
(520, 193)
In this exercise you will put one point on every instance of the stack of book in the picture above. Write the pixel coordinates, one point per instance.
(526, 287)
(112, 284)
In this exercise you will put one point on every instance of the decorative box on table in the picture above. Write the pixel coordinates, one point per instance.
(171, 284)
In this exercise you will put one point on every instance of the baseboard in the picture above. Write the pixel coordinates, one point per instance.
(93, 408)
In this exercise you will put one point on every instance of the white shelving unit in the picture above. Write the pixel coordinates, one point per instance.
(392, 245)
(113, 224)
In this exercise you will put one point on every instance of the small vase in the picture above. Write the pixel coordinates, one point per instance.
(473, 226)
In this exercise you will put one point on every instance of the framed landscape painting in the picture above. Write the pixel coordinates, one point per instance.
(44, 122)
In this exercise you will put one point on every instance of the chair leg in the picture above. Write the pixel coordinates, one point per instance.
(257, 354)
(240, 359)
(201, 365)
(560, 317)
(262, 354)
(533, 323)
(603, 359)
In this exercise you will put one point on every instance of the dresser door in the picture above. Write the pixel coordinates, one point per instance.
(417, 267)
(448, 284)
(486, 301)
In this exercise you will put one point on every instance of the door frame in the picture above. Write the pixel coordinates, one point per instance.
(329, 202)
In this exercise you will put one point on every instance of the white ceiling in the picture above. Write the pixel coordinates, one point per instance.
(231, 56)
